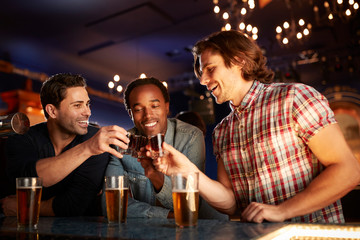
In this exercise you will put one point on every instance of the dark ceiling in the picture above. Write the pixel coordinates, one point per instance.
(101, 38)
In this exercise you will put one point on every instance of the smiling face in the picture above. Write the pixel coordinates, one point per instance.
(224, 83)
(72, 116)
(148, 109)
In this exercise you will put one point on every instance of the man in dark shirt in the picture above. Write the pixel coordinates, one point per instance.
(69, 155)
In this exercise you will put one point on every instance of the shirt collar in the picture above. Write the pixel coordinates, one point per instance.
(256, 88)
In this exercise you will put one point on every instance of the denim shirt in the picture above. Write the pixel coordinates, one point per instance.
(184, 137)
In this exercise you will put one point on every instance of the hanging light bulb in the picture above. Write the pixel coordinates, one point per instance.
(242, 26)
(243, 11)
(255, 30)
(119, 88)
(306, 32)
(143, 75)
(216, 9)
(249, 28)
(348, 12)
(286, 25)
(116, 78)
(225, 15)
(111, 85)
(227, 27)
(301, 22)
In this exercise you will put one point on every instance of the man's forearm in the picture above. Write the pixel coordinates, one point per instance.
(46, 208)
(53, 170)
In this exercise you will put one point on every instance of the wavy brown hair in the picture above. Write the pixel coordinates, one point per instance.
(237, 49)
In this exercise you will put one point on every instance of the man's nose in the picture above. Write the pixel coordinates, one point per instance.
(204, 80)
(87, 111)
(147, 112)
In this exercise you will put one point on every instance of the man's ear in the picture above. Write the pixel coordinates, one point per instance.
(240, 62)
(51, 110)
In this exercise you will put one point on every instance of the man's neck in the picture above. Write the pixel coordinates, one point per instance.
(58, 138)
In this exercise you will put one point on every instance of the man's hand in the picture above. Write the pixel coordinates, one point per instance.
(173, 161)
(106, 136)
(156, 177)
(9, 205)
(258, 212)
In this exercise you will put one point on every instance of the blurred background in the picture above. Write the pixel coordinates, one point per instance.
(112, 42)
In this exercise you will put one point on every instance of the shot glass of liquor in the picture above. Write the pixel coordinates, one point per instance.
(28, 197)
(140, 141)
(185, 193)
(116, 194)
(156, 145)
(131, 145)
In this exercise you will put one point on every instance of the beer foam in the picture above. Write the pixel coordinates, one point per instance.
(30, 187)
(184, 191)
(117, 188)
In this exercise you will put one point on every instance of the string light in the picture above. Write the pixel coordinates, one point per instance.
(114, 85)
(292, 31)
(236, 15)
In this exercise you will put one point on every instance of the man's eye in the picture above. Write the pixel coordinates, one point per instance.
(137, 109)
(155, 106)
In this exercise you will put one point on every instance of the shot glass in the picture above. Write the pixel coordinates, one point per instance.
(140, 141)
(156, 145)
(116, 194)
(28, 197)
(131, 145)
(185, 193)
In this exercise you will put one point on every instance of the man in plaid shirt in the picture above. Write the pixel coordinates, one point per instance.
(281, 155)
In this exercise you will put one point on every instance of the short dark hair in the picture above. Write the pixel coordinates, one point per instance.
(53, 90)
(235, 48)
(144, 81)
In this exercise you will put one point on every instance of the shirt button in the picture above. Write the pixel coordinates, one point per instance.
(241, 126)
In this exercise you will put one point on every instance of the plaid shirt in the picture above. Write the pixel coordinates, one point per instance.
(263, 144)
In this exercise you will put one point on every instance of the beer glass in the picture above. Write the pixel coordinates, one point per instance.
(185, 193)
(28, 197)
(156, 145)
(116, 194)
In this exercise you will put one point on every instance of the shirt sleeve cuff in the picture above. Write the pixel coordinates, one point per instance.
(165, 194)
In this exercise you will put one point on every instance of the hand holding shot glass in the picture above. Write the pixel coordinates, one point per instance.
(28, 196)
(156, 148)
(116, 194)
(185, 192)
(135, 144)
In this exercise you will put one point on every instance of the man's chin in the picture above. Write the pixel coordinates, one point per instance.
(82, 131)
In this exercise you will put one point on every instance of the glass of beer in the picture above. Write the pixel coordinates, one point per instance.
(28, 197)
(185, 193)
(156, 145)
(116, 194)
